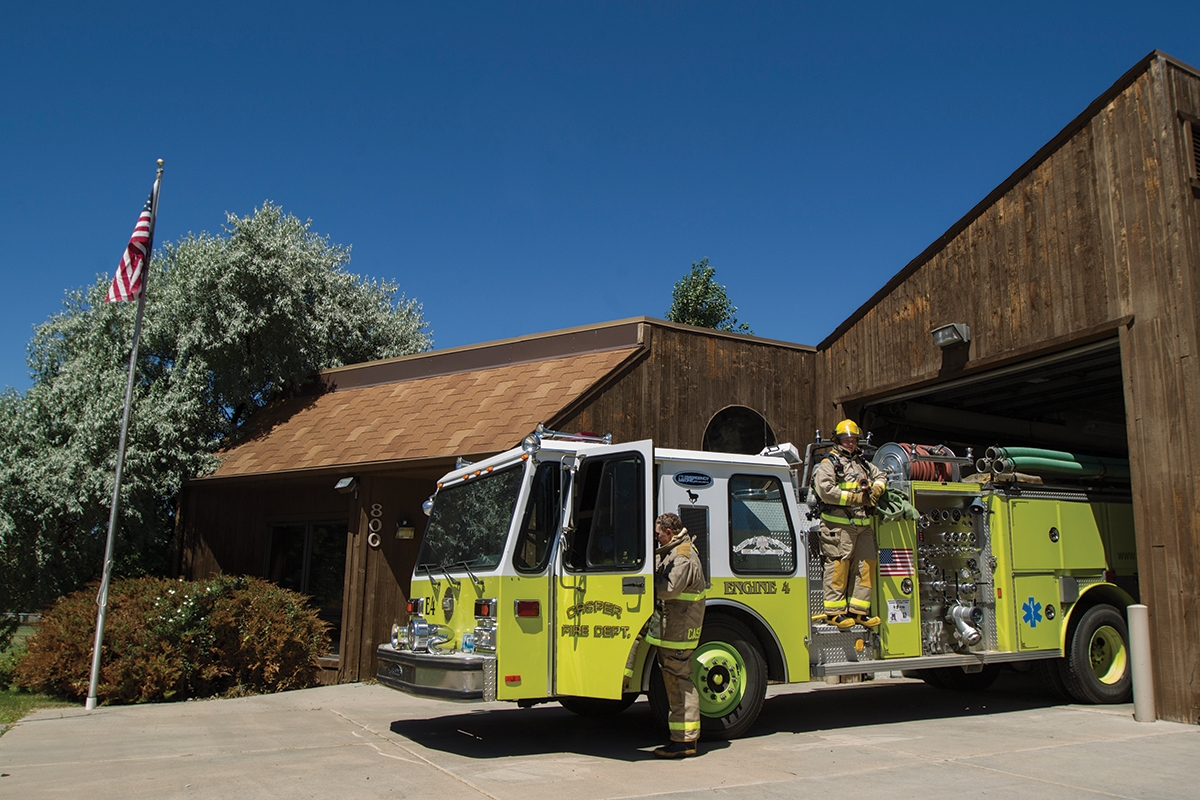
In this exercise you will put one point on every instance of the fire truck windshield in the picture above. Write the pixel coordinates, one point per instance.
(469, 521)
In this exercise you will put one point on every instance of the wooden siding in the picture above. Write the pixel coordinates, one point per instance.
(377, 579)
(1104, 232)
(227, 526)
(686, 377)
(1153, 231)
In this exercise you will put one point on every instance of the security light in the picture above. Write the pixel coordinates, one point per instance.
(346, 485)
(952, 334)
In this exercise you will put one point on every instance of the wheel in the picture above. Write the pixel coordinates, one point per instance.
(958, 680)
(932, 677)
(730, 674)
(597, 706)
(1096, 668)
(1051, 673)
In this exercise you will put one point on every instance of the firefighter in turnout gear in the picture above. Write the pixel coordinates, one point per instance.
(848, 486)
(679, 586)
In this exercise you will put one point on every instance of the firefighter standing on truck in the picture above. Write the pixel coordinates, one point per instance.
(847, 486)
(675, 629)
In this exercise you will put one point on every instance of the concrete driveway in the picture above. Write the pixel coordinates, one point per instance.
(886, 739)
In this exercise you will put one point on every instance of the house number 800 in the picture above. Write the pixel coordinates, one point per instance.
(375, 525)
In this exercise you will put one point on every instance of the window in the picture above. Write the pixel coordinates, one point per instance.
(469, 521)
(1191, 139)
(610, 529)
(540, 523)
(761, 539)
(738, 429)
(695, 519)
(310, 558)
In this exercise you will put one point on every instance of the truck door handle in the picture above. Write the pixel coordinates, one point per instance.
(635, 585)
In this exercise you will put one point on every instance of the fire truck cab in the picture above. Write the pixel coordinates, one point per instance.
(535, 579)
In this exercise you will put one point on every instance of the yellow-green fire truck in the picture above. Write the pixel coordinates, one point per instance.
(536, 576)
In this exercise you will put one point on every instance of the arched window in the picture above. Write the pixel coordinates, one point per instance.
(737, 429)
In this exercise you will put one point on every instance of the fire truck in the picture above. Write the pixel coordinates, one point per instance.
(535, 579)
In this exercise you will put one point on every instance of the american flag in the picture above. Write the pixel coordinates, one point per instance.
(129, 281)
(895, 561)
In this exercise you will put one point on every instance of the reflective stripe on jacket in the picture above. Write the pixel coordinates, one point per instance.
(836, 477)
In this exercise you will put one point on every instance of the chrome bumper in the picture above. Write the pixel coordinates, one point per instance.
(452, 676)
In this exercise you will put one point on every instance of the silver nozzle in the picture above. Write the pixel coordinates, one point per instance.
(965, 619)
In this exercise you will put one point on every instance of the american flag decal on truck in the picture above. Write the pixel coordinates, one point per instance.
(895, 561)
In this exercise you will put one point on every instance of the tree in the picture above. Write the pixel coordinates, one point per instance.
(233, 321)
(698, 299)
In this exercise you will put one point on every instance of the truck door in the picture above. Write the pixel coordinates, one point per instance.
(603, 577)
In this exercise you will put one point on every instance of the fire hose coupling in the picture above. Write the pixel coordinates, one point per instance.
(966, 619)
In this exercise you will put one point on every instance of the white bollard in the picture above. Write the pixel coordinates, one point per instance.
(1139, 657)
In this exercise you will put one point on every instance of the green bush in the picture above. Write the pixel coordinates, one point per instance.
(171, 640)
(9, 659)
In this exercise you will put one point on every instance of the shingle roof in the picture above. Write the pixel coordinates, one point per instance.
(479, 411)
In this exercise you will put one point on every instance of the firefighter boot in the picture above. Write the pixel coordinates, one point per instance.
(845, 621)
(867, 621)
(676, 750)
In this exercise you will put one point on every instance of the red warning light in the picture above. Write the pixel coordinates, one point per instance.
(529, 608)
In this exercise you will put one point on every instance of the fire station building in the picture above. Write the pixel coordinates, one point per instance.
(1061, 312)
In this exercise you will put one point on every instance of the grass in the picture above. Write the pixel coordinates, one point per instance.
(16, 704)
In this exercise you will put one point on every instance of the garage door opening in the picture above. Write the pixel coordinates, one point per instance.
(1073, 400)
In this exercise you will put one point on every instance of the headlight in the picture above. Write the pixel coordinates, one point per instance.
(485, 638)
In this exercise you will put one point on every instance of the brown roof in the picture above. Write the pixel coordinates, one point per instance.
(472, 412)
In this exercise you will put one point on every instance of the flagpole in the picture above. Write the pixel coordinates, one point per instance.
(102, 597)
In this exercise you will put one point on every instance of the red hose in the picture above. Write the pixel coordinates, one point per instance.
(927, 470)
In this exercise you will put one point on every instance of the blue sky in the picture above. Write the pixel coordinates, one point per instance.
(523, 167)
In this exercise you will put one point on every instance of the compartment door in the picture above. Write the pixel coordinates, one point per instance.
(1039, 623)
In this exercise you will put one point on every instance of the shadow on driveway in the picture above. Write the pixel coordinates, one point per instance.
(550, 728)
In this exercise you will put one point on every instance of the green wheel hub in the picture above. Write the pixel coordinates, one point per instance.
(1107, 654)
(720, 677)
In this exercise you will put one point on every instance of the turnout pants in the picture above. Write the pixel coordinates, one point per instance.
(850, 557)
(684, 700)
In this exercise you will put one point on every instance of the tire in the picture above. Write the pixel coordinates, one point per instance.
(957, 680)
(730, 673)
(1096, 669)
(597, 707)
(1050, 672)
(931, 677)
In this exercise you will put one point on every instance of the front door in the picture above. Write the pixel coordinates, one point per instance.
(603, 576)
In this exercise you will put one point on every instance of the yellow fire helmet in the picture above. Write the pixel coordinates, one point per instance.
(846, 428)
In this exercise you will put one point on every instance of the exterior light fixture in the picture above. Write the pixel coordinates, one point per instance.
(952, 334)
(405, 530)
(346, 485)
(531, 443)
